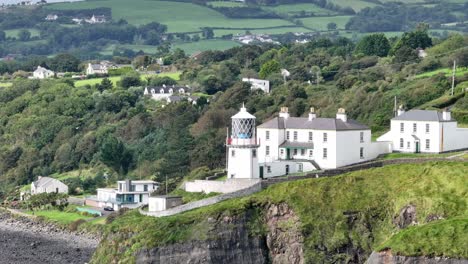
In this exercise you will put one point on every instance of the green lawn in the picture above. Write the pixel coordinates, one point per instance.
(355, 209)
(320, 23)
(178, 16)
(145, 48)
(115, 79)
(59, 216)
(203, 45)
(418, 155)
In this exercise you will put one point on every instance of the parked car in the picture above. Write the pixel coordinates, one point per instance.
(108, 208)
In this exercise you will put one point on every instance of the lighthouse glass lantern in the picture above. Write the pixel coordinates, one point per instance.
(243, 128)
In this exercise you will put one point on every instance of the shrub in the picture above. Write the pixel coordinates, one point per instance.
(74, 225)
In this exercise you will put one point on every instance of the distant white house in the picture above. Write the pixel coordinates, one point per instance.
(163, 202)
(167, 93)
(256, 84)
(48, 185)
(421, 53)
(51, 17)
(97, 69)
(426, 131)
(42, 73)
(129, 194)
(96, 20)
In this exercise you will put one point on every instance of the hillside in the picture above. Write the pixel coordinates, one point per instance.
(199, 25)
(328, 220)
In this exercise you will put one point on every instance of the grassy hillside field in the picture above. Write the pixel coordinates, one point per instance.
(373, 197)
(115, 79)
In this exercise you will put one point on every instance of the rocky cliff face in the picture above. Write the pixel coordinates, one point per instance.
(386, 257)
(231, 241)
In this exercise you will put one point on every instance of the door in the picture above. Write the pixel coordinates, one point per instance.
(287, 169)
(417, 146)
(288, 153)
(261, 172)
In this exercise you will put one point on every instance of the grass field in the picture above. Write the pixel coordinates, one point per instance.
(226, 4)
(203, 45)
(272, 31)
(59, 216)
(320, 23)
(447, 71)
(115, 79)
(145, 48)
(294, 9)
(13, 33)
(357, 5)
(5, 84)
(178, 16)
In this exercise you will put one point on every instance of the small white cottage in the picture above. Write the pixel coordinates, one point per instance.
(163, 202)
(48, 185)
(42, 73)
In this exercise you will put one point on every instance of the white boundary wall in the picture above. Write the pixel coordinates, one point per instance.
(227, 186)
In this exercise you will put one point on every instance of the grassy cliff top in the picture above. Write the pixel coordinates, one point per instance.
(352, 211)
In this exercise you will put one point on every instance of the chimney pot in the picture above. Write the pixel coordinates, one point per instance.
(341, 114)
(284, 112)
(446, 115)
(401, 110)
(312, 114)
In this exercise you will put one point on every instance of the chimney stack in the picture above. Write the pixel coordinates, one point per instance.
(284, 112)
(401, 110)
(312, 114)
(342, 115)
(446, 115)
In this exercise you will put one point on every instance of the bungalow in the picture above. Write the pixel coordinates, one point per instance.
(97, 69)
(129, 194)
(163, 202)
(165, 92)
(48, 185)
(42, 73)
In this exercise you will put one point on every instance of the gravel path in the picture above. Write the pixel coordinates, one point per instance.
(25, 241)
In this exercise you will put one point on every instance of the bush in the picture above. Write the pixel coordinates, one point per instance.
(74, 225)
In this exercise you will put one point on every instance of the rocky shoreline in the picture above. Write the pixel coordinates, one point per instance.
(25, 240)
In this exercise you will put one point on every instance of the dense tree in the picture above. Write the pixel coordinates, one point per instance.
(114, 154)
(414, 39)
(130, 79)
(331, 26)
(2, 35)
(269, 68)
(373, 45)
(105, 84)
(24, 35)
(64, 63)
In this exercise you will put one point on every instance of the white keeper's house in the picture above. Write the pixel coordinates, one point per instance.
(425, 131)
(285, 144)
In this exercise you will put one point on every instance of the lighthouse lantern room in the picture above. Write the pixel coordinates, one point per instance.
(242, 147)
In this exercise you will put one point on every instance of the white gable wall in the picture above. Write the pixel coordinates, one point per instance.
(453, 137)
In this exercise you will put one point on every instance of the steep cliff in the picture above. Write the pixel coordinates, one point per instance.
(328, 220)
(386, 257)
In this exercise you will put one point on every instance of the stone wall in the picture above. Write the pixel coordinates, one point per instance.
(227, 186)
(205, 202)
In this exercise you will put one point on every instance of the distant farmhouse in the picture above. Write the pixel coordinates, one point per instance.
(42, 73)
(51, 17)
(258, 84)
(48, 185)
(129, 194)
(96, 20)
(171, 94)
(425, 131)
(103, 67)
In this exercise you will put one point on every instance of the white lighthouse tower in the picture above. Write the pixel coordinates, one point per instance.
(242, 147)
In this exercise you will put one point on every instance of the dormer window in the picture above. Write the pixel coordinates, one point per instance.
(161, 91)
(181, 91)
(153, 91)
(171, 91)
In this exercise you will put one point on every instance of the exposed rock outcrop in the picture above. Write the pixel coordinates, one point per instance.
(229, 242)
(386, 257)
(284, 238)
(406, 217)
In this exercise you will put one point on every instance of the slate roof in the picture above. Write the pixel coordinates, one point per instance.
(422, 115)
(44, 181)
(316, 123)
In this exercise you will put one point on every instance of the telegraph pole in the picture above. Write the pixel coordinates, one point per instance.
(395, 107)
(453, 75)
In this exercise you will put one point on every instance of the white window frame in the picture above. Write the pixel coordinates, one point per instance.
(325, 137)
(295, 135)
(415, 127)
(287, 135)
(325, 153)
(267, 135)
(311, 152)
(428, 144)
(361, 153)
(428, 128)
(361, 137)
(267, 151)
(311, 136)
(402, 127)
(402, 143)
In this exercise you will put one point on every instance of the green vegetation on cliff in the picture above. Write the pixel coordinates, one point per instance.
(339, 216)
(448, 238)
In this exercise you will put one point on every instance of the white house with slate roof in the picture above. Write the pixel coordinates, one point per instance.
(167, 92)
(48, 185)
(298, 144)
(425, 131)
(258, 84)
(42, 73)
